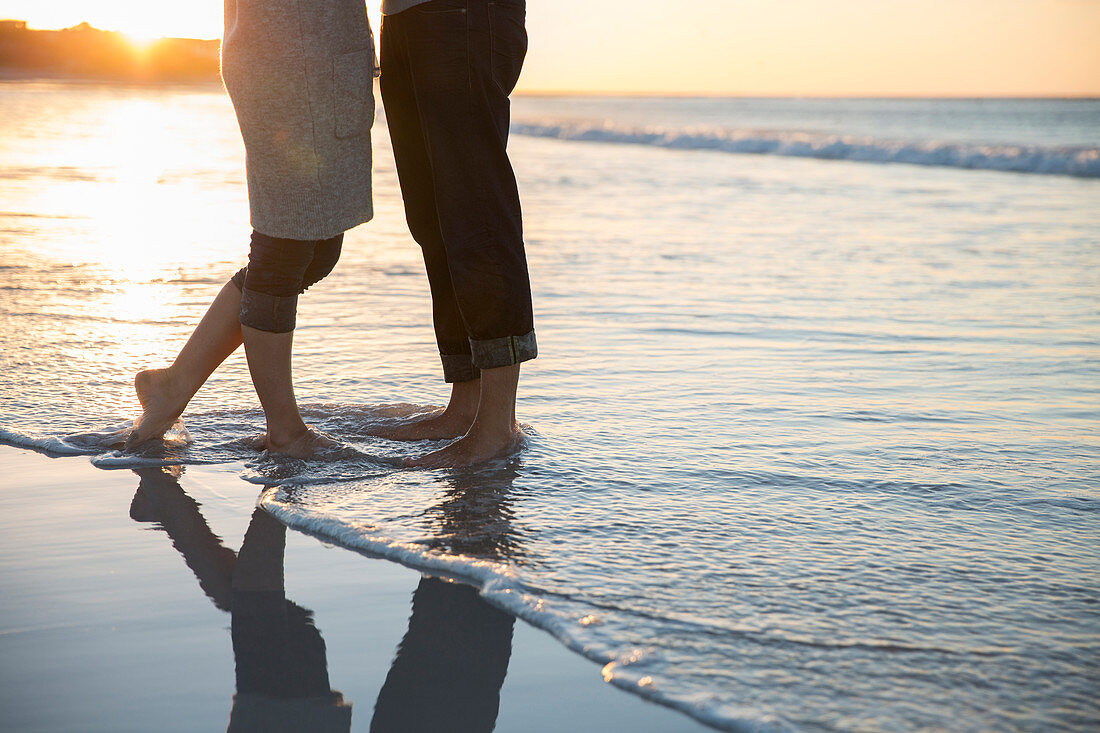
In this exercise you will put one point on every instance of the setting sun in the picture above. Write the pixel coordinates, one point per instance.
(799, 47)
(142, 41)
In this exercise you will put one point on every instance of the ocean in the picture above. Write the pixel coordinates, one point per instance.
(812, 437)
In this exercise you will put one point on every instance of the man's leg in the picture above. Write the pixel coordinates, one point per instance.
(418, 191)
(494, 432)
(464, 58)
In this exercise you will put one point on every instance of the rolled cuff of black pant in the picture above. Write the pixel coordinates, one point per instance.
(458, 368)
(506, 351)
(271, 313)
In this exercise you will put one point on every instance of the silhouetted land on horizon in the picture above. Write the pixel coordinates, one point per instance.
(84, 51)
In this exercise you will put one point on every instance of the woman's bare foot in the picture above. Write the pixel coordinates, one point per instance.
(477, 446)
(307, 443)
(448, 424)
(162, 402)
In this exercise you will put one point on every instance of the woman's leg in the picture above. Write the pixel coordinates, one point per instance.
(269, 363)
(278, 271)
(164, 393)
(277, 266)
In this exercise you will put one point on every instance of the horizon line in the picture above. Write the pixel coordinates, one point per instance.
(679, 94)
(14, 75)
(801, 95)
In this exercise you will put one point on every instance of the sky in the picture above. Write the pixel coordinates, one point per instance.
(749, 47)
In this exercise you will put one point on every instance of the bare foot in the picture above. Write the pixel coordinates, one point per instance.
(454, 422)
(445, 425)
(162, 402)
(477, 446)
(307, 444)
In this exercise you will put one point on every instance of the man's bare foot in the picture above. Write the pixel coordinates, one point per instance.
(454, 422)
(305, 444)
(444, 425)
(162, 402)
(477, 446)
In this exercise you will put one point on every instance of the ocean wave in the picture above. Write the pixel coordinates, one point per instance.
(1082, 162)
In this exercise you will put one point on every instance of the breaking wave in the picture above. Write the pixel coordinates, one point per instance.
(1082, 162)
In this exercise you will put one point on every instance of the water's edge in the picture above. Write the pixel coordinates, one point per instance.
(500, 587)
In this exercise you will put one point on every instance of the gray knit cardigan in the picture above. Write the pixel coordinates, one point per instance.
(301, 77)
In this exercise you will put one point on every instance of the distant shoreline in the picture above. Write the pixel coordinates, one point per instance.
(86, 52)
(31, 75)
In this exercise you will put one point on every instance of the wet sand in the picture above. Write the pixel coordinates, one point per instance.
(131, 605)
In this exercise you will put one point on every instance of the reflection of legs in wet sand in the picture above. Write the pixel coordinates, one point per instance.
(257, 308)
(282, 670)
(161, 499)
(452, 662)
(449, 667)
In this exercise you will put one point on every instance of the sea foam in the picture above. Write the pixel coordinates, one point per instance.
(1083, 162)
(500, 584)
(47, 444)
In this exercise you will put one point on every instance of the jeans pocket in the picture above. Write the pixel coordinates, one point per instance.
(353, 92)
(508, 40)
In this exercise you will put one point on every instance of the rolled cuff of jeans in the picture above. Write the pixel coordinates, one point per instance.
(238, 278)
(458, 368)
(506, 351)
(271, 313)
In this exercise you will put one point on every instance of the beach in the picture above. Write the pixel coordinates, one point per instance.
(811, 443)
(106, 628)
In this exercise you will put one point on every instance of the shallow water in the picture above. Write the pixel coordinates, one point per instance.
(119, 611)
(812, 444)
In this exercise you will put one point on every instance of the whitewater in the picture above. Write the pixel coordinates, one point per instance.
(811, 442)
(1070, 161)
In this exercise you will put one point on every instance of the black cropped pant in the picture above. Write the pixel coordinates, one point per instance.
(279, 270)
(448, 67)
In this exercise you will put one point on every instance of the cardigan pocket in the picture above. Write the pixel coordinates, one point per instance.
(353, 92)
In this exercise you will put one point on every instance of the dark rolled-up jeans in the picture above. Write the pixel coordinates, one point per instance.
(279, 270)
(448, 67)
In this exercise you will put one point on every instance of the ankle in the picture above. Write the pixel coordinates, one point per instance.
(174, 381)
(460, 412)
(285, 436)
(464, 400)
(494, 426)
